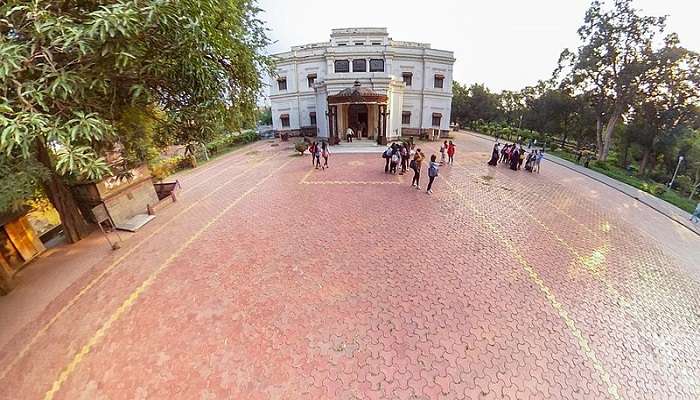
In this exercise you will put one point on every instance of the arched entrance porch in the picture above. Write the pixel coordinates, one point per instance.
(360, 109)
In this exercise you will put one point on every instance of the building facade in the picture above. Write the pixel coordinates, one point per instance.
(362, 79)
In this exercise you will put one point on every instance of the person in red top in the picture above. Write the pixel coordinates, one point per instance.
(450, 153)
(312, 150)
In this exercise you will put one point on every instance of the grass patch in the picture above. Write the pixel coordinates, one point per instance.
(647, 185)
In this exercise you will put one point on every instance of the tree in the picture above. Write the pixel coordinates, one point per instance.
(71, 71)
(512, 106)
(666, 103)
(692, 153)
(612, 62)
(473, 104)
(265, 116)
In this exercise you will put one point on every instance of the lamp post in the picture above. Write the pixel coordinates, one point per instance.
(670, 184)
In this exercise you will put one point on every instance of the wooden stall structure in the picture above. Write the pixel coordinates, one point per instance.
(126, 198)
(19, 244)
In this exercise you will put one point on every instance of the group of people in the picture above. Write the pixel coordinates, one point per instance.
(318, 151)
(401, 156)
(514, 155)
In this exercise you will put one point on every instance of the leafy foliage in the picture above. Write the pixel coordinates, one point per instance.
(84, 83)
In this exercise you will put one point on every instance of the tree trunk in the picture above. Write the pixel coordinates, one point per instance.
(74, 225)
(625, 157)
(607, 135)
(598, 134)
(645, 162)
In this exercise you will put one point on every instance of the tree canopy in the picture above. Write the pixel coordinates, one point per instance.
(87, 82)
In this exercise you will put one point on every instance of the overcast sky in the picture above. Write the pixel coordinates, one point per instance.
(504, 44)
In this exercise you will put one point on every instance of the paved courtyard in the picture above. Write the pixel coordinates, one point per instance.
(271, 280)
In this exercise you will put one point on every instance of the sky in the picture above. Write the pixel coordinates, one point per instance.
(503, 44)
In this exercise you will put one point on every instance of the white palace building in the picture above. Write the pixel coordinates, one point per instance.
(364, 80)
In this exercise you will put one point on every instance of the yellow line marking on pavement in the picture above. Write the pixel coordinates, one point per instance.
(134, 296)
(303, 179)
(189, 189)
(549, 295)
(113, 265)
(350, 183)
(195, 172)
(590, 263)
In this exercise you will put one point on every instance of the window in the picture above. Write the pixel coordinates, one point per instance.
(311, 79)
(407, 78)
(406, 118)
(359, 65)
(312, 118)
(439, 81)
(376, 65)
(282, 83)
(285, 120)
(342, 44)
(342, 66)
(359, 43)
(437, 118)
(376, 43)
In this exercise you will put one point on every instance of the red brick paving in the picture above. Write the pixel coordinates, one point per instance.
(334, 284)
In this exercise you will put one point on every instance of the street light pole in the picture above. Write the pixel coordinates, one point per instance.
(670, 185)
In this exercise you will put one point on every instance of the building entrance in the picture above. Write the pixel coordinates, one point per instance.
(358, 118)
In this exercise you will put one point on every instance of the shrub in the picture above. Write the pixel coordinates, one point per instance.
(602, 165)
(300, 146)
(684, 184)
(163, 168)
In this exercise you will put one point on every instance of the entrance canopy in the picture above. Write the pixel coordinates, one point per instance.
(357, 95)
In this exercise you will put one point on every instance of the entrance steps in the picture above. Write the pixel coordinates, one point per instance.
(357, 146)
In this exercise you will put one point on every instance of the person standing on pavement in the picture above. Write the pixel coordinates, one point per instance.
(317, 155)
(312, 150)
(696, 214)
(451, 153)
(539, 155)
(349, 134)
(416, 165)
(403, 152)
(443, 152)
(325, 154)
(521, 157)
(494, 156)
(514, 158)
(387, 158)
(433, 169)
(394, 161)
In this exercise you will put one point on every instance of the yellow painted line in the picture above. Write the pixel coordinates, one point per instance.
(534, 277)
(41, 331)
(134, 296)
(590, 263)
(195, 172)
(303, 179)
(190, 188)
(350, 183)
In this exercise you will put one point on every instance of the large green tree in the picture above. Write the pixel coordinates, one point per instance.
(612, 62)
(72, 72)
(665, 106)
(474, 103)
